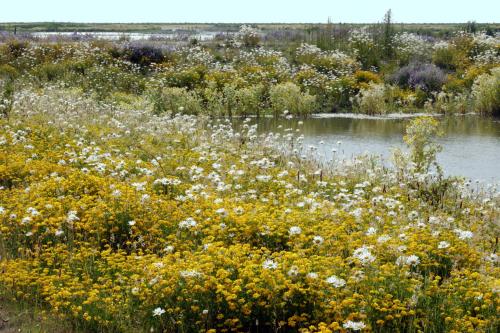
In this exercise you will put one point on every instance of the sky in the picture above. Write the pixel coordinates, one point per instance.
(249, 11)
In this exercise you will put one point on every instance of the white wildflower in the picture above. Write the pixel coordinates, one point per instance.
(269, 264)
(364, 255)
(336, 281)
(295, 231)
(443, 245)
(188, 223)
(354, 325)
(158, 312)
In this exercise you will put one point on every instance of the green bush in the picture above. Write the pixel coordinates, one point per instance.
(288, 97)
(8, 74)
(371, 100)
(445, 58)
(175, 99)
(242, 101)
(419, 138)
(486, 93)
(103, 81)
(48, 72)
(189, 77)
(232, 100)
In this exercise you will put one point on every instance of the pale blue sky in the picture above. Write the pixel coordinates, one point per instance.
(248, 10)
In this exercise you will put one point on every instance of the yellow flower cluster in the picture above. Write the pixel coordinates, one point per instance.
(118, 220)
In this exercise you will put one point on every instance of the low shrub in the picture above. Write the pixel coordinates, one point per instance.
(143, 55)
(173, 99)
(242, 101)
(48, 72)
(366, 77)
(288, 97)
(371, 100)
(445, 58)
(8, 74)
(486, 93)
(427, 77)
(450, 103)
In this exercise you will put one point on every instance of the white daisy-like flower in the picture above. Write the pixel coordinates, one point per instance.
(295, 231)
(190, 273)
(72, 216)
(158, 312)
(364, 255)
(318, 240)
(371, 231)
(464, 234)
(221, 211)
(443, 245)
(188, 223)
(158, 264)
(294, 271)
(382, 239)
(411, 260)
(336, 281)
(269, 264)
(492, 257)
(354, 325)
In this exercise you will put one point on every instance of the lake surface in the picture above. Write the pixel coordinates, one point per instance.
(471, 144)
(132, 36)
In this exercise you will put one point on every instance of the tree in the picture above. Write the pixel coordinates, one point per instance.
(471, 27)
(388, 34)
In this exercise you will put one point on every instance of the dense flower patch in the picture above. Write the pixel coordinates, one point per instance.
(120, 220)
(240, 77)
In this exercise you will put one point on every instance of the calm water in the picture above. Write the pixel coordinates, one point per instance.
(471, 145)
(133, 36)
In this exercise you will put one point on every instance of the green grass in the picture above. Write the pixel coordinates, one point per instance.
(21, 317)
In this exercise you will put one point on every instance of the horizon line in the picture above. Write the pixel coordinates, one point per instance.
(187, 22)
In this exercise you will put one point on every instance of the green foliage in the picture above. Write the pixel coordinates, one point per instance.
(371, 100)
(229, 79)
(8, 74)
(16, 48)
(388, 34)
(366, 77)
(365, 51)
(242, 101)
(173, 99)
(102, 81)
(420, 170)
(189, 77)
(49, 72)
(419, 138)
(486, 93)
(249, 36)
(288, 97)
(445, 58)
(451, 103)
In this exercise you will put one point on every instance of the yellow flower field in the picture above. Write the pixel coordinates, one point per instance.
(118, 220)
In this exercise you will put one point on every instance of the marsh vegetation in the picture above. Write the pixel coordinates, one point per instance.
(131, 200)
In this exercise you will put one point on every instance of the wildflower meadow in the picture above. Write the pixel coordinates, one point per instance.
(138, 195)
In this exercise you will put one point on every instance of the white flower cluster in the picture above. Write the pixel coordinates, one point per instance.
(335, 281)
(364, 255)
(411, 260)
(411, 45)
(188, 223)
